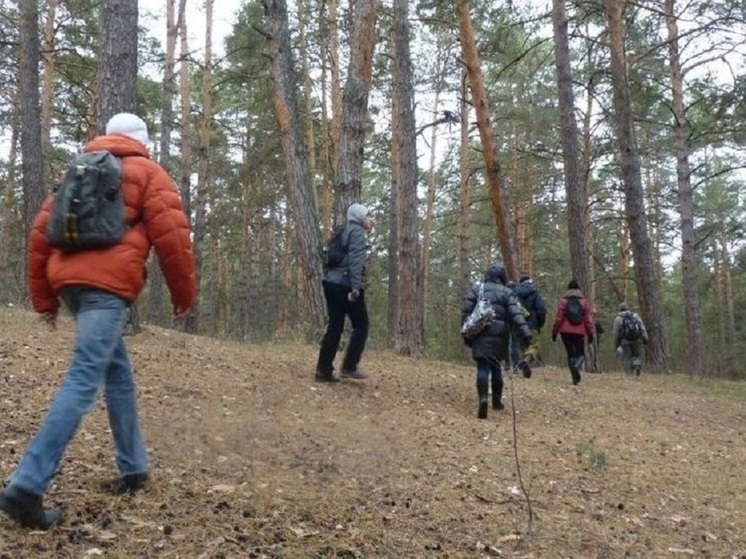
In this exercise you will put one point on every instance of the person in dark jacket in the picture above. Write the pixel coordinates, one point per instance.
(573, 335)
(345, 296)
(490, 347)
(531, 300)
(630, 348)
(515, 341)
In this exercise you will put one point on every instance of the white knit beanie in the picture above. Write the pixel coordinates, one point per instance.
(357, 212)
(128, 125)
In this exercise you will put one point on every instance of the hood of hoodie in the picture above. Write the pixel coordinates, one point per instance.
(496, 273)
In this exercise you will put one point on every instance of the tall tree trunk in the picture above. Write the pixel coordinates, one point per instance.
(489, 149)
(203, 171)
(693, 320)
(409, 325)
(647, 288)
(117, 69)
(155, 276)
(308, 103)
(300, 191)
(577, 197)
(464, 206)
(48, 74)
(349, 162)
(32, 180)
(12, 240)
(185, 183)
(432, 186)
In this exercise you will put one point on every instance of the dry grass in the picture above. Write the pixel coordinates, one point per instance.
(253, 459)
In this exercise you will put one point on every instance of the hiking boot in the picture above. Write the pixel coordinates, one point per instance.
(482, 413)
(525, 368)
(125, 485)
(355, 374)
(26, 509)
(325, 377)
(497, 405)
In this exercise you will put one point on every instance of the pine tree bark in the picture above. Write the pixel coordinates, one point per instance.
(185, 182)
(577, 196)
(203, 170)
(629, 156)
(155, 276)
(349, 161)
(689, 267)
(48, 74)
(489, 149)
(32, 180)
(300, 190)
(117, 68)
(409, 340)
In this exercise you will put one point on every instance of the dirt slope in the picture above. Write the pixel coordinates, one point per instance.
(251, 458)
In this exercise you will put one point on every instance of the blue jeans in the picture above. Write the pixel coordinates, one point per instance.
(490, 372)
(99, 360)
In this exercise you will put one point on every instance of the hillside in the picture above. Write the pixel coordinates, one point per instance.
(251, 458)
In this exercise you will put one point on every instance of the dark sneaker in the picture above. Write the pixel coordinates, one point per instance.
(482, 412)
(325, 377)
(525, 368)
(497, 405)
(356, 374)
(26, 509)
(132, 483)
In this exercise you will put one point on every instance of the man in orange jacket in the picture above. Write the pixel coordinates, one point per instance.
(97, 286)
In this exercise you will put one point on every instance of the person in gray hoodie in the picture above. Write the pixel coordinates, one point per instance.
(345, 297)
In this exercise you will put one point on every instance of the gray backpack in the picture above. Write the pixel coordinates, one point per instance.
(88, 211)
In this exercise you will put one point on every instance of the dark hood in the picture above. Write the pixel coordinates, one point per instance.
(496, 273)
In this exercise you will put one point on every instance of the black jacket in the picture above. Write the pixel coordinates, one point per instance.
(492, 344)
(533, 303)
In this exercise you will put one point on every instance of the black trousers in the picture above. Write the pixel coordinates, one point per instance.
(575, 347)
(338, 307)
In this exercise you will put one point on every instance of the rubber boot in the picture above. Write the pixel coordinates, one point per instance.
(483, 391)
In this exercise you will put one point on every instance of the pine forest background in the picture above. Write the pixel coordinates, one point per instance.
(601, 140)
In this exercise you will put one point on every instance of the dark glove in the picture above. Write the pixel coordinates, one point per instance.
(590, 338)
(353, 295)
(554, 337)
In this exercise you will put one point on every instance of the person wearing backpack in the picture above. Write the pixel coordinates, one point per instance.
(97, 286)
(629, 335)
(345, 297)
(573, 322)
(534, 305)
(490, 347)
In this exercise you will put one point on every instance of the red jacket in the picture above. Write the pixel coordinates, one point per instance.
(563, 326)
(155, 214)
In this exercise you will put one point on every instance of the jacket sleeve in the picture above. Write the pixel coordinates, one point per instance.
(167, 227)
(43, 298)
(516, 316)
(617, 331)
(356, 249)
(470, 301)
(559, 316)
(642, 327)
(540, 309)
(588, 320)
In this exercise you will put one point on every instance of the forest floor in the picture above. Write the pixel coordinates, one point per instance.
(252, 458)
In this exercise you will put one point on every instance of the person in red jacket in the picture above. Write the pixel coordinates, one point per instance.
(573, 322)
(97, 286)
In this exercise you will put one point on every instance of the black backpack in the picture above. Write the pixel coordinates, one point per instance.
(335, 249)
(574, 311)
(631, 328)
(88, 211)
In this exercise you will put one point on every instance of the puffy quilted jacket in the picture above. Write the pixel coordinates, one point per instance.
(156, 217)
